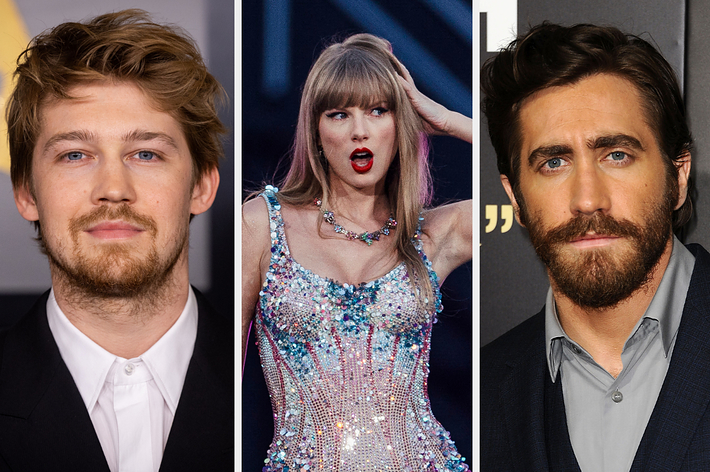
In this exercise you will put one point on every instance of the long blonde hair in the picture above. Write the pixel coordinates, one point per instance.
(359, 72)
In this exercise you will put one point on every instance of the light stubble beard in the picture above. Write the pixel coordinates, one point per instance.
(115, 278)
(603, 277)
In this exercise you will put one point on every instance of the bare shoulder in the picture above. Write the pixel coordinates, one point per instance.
(255, 256)
(255, 213)
(255, 229)
(256, 245)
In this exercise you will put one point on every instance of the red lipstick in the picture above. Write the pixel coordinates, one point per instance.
(361, 159)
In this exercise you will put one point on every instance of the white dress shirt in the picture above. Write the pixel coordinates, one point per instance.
(131, 402)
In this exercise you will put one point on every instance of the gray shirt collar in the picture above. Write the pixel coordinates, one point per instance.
(666, 308)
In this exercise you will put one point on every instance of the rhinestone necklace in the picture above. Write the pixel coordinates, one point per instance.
(365, 237)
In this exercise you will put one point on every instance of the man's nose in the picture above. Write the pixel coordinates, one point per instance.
(590, 192)
(114, 182)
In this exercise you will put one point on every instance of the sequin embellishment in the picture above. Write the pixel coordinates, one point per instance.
(347, 368)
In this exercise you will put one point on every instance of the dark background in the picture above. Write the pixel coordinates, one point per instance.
(438, 53)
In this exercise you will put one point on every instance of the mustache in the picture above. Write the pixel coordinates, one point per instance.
(122, 212)
(598, 223)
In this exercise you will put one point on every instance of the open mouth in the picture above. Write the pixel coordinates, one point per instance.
(361, 160)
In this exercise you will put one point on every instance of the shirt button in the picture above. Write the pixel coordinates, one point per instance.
(617, 397)
(575, 349)
(129, 369)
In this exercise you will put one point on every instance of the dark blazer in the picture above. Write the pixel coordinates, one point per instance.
(45, 427)
(523, 424)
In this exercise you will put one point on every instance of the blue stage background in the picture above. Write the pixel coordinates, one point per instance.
(433, 38)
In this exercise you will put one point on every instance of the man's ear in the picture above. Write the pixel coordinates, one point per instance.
(25, 202)
(682, 165)
(204, 192)
(511, 195)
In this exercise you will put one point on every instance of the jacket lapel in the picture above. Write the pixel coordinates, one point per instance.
(202, 434)
(685, 394)
(523, 405)
(44, 424)
(43, 420)
(559, 446)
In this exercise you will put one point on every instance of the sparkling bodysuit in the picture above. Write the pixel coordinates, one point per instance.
(347, 367)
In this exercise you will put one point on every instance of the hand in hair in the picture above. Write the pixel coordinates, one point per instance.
(436, 118)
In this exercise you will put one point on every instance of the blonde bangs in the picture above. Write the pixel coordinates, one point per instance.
(354, 79)
(362, 72)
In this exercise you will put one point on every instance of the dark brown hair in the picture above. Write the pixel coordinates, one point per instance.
(552, 55)
(163, 61)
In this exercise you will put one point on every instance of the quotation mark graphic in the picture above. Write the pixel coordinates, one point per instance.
(506, 216)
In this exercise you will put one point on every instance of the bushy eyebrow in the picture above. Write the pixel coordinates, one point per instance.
(143, 135)
(548, 152)
(78, 135)
(600, 142)
(89, 137)
(616, 140)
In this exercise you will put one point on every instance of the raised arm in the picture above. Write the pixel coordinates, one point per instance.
(437, 118)
(448, 236)
(447, 229)
(255, 258)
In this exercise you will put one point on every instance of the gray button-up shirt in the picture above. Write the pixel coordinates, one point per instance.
(606, 417)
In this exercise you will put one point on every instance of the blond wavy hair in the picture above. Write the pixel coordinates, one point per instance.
(125, 46)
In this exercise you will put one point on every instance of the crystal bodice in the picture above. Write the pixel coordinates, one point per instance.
(346, 367)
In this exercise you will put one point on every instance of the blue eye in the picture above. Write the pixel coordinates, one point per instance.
(379, 111)
(145, 155)
(554, 163)
(336, 115)
(74, 155)
(618, 155)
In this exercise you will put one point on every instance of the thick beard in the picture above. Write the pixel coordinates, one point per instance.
(115, 273)
(601, 278)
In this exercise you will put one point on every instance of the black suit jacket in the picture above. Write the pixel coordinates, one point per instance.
(523, 424)
(45, 427)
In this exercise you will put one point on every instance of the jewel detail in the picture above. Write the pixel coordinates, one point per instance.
(366, 237)
(354, 351)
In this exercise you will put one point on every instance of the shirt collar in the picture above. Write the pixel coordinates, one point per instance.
(666, 307)
(89, 363)
(553, 332)
(169, 358)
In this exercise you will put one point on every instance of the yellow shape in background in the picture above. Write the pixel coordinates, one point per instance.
(13, 40)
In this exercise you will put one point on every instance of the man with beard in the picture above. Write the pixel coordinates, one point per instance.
(121, 366)
(594, 152)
